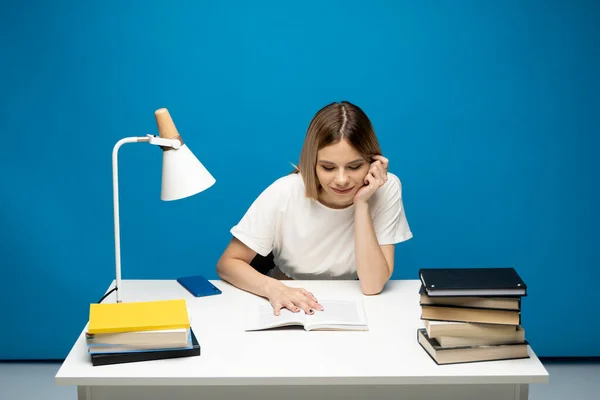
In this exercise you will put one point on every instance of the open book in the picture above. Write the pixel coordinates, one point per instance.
(337, 315)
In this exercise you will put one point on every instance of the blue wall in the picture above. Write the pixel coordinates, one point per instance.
(488, 112)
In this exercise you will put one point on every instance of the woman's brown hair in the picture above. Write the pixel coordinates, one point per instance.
(332, 123)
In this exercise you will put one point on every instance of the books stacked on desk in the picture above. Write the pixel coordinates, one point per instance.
(139, 331)
(472, 314)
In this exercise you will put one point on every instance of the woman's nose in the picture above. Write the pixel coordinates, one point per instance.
(341, 178)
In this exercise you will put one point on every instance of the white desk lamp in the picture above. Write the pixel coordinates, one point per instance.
(182, 174)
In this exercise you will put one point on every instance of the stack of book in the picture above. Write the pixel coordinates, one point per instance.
(139, 331)
(472, 314)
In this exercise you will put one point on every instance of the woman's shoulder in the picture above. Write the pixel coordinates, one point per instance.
(285, 187)
(393, 183)
(288, 182)
(390, 190)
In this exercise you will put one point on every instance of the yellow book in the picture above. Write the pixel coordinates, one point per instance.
(138, 316)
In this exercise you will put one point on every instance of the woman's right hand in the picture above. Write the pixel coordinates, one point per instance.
(294, 299)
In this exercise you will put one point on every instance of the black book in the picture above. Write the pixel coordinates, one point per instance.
(472, 282)
(128, 357)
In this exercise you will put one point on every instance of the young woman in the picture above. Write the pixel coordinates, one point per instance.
(337, 216)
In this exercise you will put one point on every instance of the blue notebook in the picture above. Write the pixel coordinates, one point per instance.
(198, 286)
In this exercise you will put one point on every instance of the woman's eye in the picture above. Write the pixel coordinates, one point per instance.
(354, 167)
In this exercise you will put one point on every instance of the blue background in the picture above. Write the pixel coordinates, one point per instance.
(488, 112)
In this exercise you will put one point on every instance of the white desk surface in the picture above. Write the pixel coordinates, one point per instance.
(386, 354)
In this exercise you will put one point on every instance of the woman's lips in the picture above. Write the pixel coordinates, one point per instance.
(342, 191)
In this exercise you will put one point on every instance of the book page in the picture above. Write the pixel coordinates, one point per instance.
(338, 312)
(265, 318)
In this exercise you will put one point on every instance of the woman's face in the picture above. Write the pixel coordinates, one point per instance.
(341, 171)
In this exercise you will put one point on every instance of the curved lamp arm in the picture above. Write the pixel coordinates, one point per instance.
(151, 139)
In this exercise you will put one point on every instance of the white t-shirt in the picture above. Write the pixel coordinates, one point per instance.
(310, 240)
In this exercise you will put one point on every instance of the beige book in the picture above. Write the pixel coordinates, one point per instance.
(141, 339)
(508, 303)
(480, 315)
(465, 354)
(436, 329)
(515, 336)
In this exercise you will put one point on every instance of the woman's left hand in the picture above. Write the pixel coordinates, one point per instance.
(374, 179)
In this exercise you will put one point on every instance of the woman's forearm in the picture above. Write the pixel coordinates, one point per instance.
(371, 265)
(242, 275)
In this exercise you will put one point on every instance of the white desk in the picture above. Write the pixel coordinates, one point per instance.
(384, 363)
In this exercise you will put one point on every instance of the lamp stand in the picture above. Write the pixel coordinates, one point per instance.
(164, 144)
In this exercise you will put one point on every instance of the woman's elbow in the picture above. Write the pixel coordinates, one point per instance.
(220, 267)
(372, 290)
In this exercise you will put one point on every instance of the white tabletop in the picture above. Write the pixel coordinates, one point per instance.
(386, 354)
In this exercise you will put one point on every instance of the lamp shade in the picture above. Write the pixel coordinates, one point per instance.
(183, 175)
